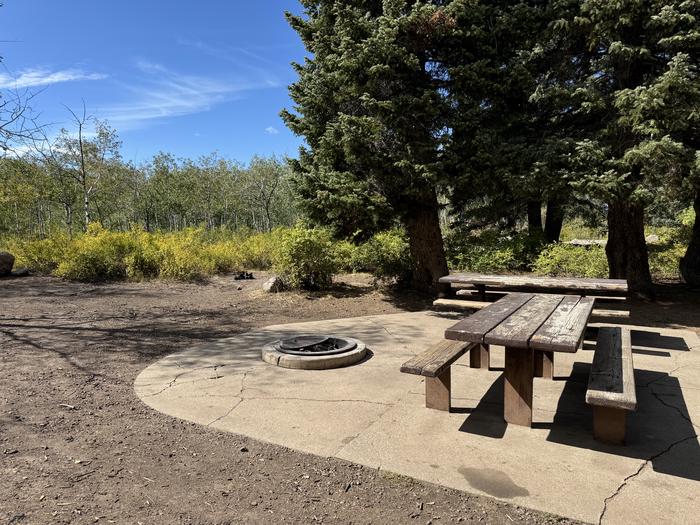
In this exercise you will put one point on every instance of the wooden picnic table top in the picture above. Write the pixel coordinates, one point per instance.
(546, 322)
(528, 281)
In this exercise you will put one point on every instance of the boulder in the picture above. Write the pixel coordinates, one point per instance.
(20, 272)
(273, 285)
(7, 261)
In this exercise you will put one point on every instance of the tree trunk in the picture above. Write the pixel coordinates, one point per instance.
(627, 249)
(554, 220)
(86, 209)
(534, 218)
(69, 219)
(426, 246)
(690, 263)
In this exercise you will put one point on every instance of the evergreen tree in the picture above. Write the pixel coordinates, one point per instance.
(369, 105)
(629, 78)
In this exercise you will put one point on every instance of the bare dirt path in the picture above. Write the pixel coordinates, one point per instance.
(77, 446)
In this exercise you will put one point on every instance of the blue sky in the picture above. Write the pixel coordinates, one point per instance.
(188, 78)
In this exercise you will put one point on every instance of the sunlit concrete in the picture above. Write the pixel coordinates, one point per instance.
(372, 414)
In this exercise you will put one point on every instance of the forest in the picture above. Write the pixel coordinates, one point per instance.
(475, 132)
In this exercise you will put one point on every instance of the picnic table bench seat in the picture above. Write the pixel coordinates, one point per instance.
(611, 389)
(434, 364)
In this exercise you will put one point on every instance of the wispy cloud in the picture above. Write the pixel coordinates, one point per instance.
(271, 130)
(239, 56)
(162, 93)
(35, 77)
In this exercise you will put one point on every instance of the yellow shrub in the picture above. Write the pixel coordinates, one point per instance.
(39, 255)
(99, 255)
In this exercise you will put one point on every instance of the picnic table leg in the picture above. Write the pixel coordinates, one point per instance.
(479, 357)
(437, 391)
(481, 289)
(544, 364)
(517, 394)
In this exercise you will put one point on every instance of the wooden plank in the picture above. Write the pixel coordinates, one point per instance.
(611, 383)
(564, 329)
(494, 295)
(517, 389)
(479, 356)
(544, 364)
(461, 304)
(609, 424)
(474, 327)
(517, 329)
(436, 358)
(608, 314)
(437, 391)
(516, 281)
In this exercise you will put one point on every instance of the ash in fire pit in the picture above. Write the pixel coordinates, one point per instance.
(314, 352)
(315, 345)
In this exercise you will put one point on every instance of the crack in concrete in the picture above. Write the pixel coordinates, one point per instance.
(166, 387)
(228, 413)
(239, 400)
(375, 323)
(657, 396)
(355, 436)
(264, 398)
(646, 462)
(662, 378)
(625, 481)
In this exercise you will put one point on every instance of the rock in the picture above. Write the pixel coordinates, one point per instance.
(7, 261)
(20, 272)
(273, 285)
(652, 239)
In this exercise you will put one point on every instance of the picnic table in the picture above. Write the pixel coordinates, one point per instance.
(585, 286)
(531, 327)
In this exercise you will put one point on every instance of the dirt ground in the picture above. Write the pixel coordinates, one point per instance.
(77, 445)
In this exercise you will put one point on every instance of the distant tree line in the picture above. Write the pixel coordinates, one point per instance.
(497, 112)
(80, 177)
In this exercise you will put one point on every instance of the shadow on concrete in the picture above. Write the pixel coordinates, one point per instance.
(486, 418)
(645, 342)
(660, 424)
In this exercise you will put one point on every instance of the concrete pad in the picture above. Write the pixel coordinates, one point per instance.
(372, 414)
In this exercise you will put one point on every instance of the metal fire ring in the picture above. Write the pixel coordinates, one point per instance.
(313, 345)
(302, 341)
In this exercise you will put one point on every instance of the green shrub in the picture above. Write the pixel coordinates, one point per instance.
(664, 260)
(686, 219)
(305, 258)
(348, 257)
(386, 255)
(578, 229)
(491, 252)
(569, 260)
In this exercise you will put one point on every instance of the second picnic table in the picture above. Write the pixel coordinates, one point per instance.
(530, 327)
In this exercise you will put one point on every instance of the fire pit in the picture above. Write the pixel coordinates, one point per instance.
(314, 352)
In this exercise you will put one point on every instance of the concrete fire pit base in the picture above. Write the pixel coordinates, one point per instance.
(270, 354)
